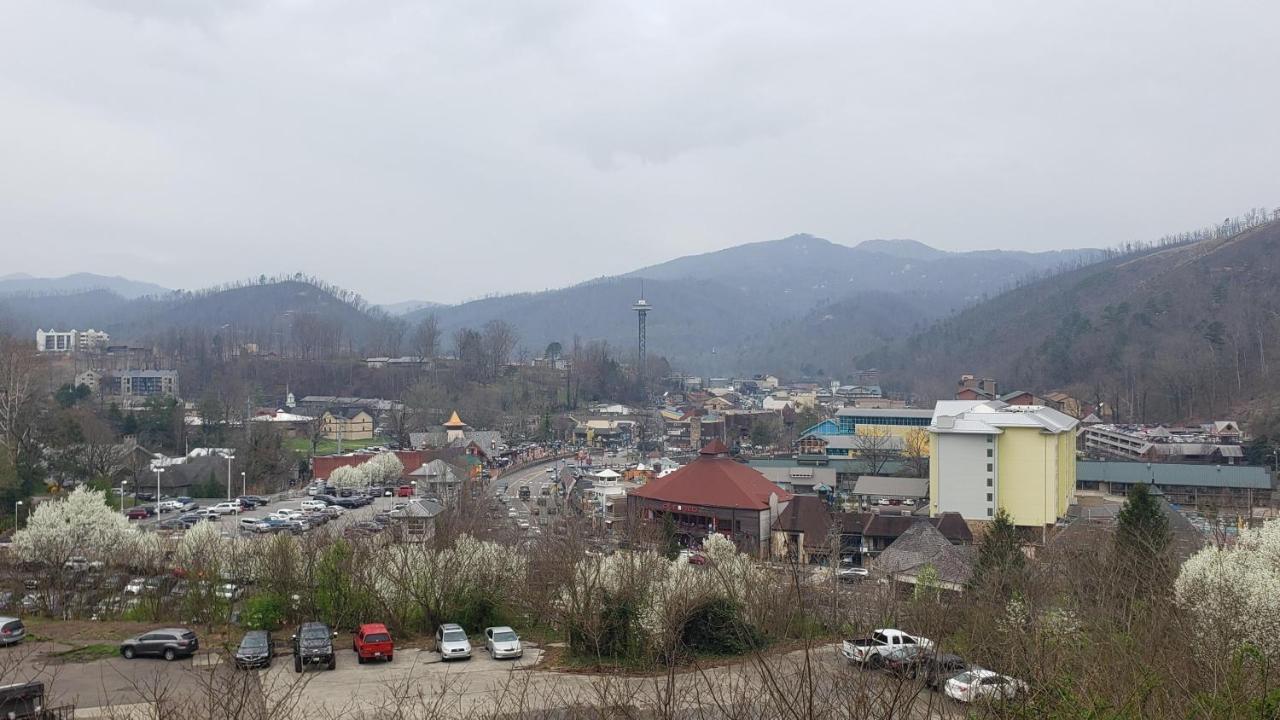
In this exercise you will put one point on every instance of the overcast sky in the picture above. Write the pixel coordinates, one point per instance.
(444, 151)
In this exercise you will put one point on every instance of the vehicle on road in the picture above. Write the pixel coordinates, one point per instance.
(871, 650)
(983, 684)
(502, 642)
(256, 650)
(372, 641)
(452, 642)
(852, 574)
(137, 513)
(524, 492)
(313, 645)
(168, 643)
(230, 507)
(12, 631)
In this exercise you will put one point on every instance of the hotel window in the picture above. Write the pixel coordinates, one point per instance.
(991, 438)
(990, 452)
(988, 467)
(990, 482)
(990, 512)
(988, 497)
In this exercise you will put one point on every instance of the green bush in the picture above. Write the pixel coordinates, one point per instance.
(264, 611)
(717, 628)
(476, 610)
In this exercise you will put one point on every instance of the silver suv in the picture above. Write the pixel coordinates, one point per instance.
(452, 642)
(12, 631)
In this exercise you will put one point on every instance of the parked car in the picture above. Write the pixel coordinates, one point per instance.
(207, 514)
(228, 591)
(230, 507)
(169, 505)
(452, 642)
(871, 650)
(255, 650)
(502, 642)
(79, 563)
(257, 500)
(852, 574)
(250, 524)
(982, 684)
(937, 668)
(137, 513)
(404, 491)
(12, 631)
(168, 643)
(313, 645)
(372, 641)
(135, 586)
(313, 505)
(334, 511)
(286, 513)
(144, 496)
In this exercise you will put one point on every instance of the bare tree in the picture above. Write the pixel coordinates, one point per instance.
(500, 339)
(426, 337)
(875, 447)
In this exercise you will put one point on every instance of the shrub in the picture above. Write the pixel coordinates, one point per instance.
(716, 627)
(264, 611)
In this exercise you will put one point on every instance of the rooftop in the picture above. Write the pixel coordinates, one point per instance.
(714, 480)
(990, 417)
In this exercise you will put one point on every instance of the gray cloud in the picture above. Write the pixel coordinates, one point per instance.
(451, 150)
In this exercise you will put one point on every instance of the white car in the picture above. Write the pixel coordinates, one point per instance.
(286, 514)
(502, 642)
(852, 574)
(226, 508)
(872, 650)
(982, 684)
(169, 505)
(249, 523)
(208, 514)
(313, 505)
(135, 586)
(334, 510)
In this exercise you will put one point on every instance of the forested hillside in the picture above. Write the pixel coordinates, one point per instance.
(1189, 329)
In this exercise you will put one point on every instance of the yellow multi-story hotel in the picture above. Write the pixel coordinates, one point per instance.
(988, 455)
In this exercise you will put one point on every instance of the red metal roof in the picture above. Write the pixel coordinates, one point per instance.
(714, 480)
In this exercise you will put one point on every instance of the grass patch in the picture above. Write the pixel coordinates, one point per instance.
(328, 447)
(88, 653)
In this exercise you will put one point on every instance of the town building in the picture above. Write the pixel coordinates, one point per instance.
(71, 340)
(346, 424)
(456, 435)
(1222, 486)
(807, 531)
(438, 479)
(922, 554)
(1217, 442)
(713, 494)
(988, 455)
(132, 388)
(857, 429)
(416, 521)
(871, 489)
(971, 387)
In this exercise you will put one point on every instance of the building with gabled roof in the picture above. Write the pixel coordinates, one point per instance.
(713, 494)
(923, 550)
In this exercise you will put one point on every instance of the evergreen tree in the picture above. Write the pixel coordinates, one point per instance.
(1140, 554)
(670, 540)
(999, 557)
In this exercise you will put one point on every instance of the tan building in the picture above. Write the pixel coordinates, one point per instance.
(346, 425)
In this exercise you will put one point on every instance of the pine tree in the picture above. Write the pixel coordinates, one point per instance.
(999, 557)
(1142, 530)
(1140, 554)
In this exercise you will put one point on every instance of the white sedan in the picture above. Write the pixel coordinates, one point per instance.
(982, 684)
(502, 642)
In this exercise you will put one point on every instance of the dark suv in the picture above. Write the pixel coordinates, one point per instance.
(168, 643)
(313, 645)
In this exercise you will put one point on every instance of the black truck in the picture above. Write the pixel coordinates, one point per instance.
(313, 645)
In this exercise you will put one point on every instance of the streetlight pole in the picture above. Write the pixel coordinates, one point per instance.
(122, 484)
(16, 506)
(158, 471)
(244, 484)
(229, 459)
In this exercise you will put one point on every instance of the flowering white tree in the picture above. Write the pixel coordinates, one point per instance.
(383, 469)
(82, 524)
(202, 550)
(1234, 592)
(346, 477)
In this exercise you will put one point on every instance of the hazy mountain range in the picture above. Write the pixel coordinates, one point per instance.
(799, 305)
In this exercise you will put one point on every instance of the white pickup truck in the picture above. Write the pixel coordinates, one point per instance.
(871, 650)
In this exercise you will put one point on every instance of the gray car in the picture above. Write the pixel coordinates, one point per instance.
(12, 631)
(168, 643)
(452, 642)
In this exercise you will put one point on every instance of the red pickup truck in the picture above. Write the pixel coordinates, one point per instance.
(373, 642)
(405, 491)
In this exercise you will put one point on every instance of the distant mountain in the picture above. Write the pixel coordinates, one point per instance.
(905, 249)
(22, 283)
(754, 307)
(407, 306)
(1166, 333)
